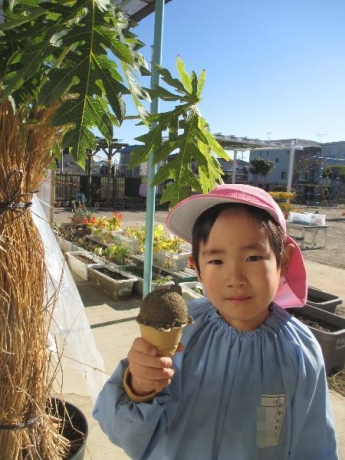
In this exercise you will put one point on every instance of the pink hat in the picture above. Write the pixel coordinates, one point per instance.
(293, 288)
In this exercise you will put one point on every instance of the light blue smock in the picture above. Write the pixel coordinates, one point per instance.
(235, 396)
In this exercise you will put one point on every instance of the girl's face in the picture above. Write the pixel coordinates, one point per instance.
(239, 270)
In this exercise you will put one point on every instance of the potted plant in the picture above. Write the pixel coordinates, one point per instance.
(191, 290)
(80, 213)
(132, 238)
(59, 80)
(169, 252)
(112, 280)
(158, 281)
(118, 255)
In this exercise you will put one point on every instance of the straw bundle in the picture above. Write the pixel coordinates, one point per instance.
(26, 431)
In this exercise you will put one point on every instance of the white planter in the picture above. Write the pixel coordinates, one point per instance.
(120, 288)
(67, 246)
(131, 243)
(173, 262)
(105, 236)
(79, 262)
(188, 293)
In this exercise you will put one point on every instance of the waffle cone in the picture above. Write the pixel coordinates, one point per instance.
(165, 340)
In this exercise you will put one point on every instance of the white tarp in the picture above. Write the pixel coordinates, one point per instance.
(82, 368)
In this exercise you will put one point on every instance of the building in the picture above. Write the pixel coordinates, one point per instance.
(281, 157)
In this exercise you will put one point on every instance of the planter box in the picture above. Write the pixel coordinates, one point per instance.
(67, 246)
(188, 292)
(79, 262)
(119, 285)
(174, 262)
(105, 236)
(138, 287)
(332, 343)
(323, 300)
(131, 243)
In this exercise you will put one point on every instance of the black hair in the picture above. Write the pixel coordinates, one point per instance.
(204, 223)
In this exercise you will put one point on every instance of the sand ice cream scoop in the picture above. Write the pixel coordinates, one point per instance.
(163, 316)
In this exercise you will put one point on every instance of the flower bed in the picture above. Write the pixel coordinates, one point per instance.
(104, 223)
(113, 281)
(171, 261)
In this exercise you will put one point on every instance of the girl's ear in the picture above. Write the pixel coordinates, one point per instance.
(191, 263)
(288, 250)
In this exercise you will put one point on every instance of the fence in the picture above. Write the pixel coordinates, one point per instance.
(68, 186)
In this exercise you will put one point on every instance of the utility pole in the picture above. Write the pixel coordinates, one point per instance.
(320, 136)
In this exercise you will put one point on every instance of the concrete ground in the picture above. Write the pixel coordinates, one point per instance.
(114, 328)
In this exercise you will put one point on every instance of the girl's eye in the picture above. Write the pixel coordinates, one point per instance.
(215, 262)
(254, 258)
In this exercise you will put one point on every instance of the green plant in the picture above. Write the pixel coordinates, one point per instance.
(82, 58)
(81, 211)
(161, 280)
(118, 254)
(156, 279)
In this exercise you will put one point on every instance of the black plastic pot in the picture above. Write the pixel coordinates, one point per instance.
(322, 299)
(76, 431)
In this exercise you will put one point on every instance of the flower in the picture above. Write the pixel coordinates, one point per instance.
(282, 195)
(136, 233)
(106, 223)
(161, 240)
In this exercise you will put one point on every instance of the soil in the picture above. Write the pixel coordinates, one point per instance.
(318, 324)
(84, 259)
(110, 273)
(139, 272)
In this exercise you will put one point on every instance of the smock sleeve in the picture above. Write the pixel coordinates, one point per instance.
(312, 428)
(127, 424)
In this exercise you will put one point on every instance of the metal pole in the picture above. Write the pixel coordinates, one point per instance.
(234, 167)
(151, 168)
(291, 163)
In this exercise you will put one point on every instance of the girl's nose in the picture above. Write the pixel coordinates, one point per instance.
(235, 276)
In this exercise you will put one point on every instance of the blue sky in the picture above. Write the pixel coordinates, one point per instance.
(274, 69)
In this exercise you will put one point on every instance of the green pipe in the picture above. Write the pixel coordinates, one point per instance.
(151, 168)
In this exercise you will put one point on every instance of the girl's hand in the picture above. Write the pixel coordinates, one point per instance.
(149, 371)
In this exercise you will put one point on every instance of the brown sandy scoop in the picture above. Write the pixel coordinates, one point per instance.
(163, 316)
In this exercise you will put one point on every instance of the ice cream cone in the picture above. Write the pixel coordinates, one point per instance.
(166, 340)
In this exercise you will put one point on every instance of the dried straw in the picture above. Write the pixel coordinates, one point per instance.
(25, 385)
